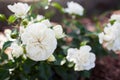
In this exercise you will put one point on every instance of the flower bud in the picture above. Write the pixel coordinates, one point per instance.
(51, 58)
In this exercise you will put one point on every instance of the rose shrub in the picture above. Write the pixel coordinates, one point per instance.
(38, 49)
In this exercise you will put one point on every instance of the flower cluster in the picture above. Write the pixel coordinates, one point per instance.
(110, 38)
(38, 37)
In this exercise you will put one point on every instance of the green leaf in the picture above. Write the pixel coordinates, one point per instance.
(65, 73)
(59, 59)
(83, 43)
(6, 44)
(12, 19)
(14, 34)
(57, 6)
(2, 53)
(81, 27)
(49, 14)
(112, 22)
(85, 74)
(4, 57)
(62, 72)
(45, 71)
(25, 22)
(9, 65)
(27, 65)
(4, 74)
(2, 17)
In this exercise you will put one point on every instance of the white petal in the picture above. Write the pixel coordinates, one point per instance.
(47, 23)
(58, 31)
(101, 36)
(85, 48)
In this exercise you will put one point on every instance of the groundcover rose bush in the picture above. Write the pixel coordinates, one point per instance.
(38, 49)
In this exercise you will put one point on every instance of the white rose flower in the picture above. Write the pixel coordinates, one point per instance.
(17, 50)
(83, 58)
(19, 9)
(40, 41)
(107, 35)
(110, 38)
(58, 31)
(74, 8)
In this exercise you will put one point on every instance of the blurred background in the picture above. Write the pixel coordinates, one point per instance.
(92, 7)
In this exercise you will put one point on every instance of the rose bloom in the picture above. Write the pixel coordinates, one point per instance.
(74, 8)
(19, 9)
(40, 41)
(17, 50)
(83, 58)
(58, 31)
(110, 37)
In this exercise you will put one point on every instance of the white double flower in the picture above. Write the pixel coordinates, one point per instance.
(17, 50)
(58, 31)
(19, 9)
(110, 37)
(40, 41)
(82, 58)
(74, 8)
